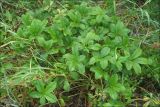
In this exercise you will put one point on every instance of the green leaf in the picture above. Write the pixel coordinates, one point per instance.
(113, 94)
(119, 65)
(62, 102)
(112, 59)
(51, 98)
(106, 76)
(67, 56)
(136, 53)
(137, 68)
(117, 40)
(123, 58)
(35, 94)
(71, 65)
(99, 18)
(74, 16)
(150, 61)
(39, 85)
(75, 50)
(8, 16)
(26, 19)
(107, 105)
(113, 80)
(96, 11)
(48, 44)
(105, 51)
(104, 63)
(118, 29)
(119, 87)
(66, 86)
(42, 100)
(51, 87)
(41, 41)
(37, 26)
(74, 75)
(82, 58)
(141, 61)
(81, 68)
(113, 86)
(95, 47)
(98, 72)
(92, 36)
(92, 61)
(129, 65)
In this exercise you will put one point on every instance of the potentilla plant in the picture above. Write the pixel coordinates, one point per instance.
(81, 42)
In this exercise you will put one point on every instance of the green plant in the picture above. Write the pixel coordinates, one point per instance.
(58, 48)
(44, 92)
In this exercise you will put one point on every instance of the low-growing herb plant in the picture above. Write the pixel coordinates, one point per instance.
(75, 44)
(44, 92)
